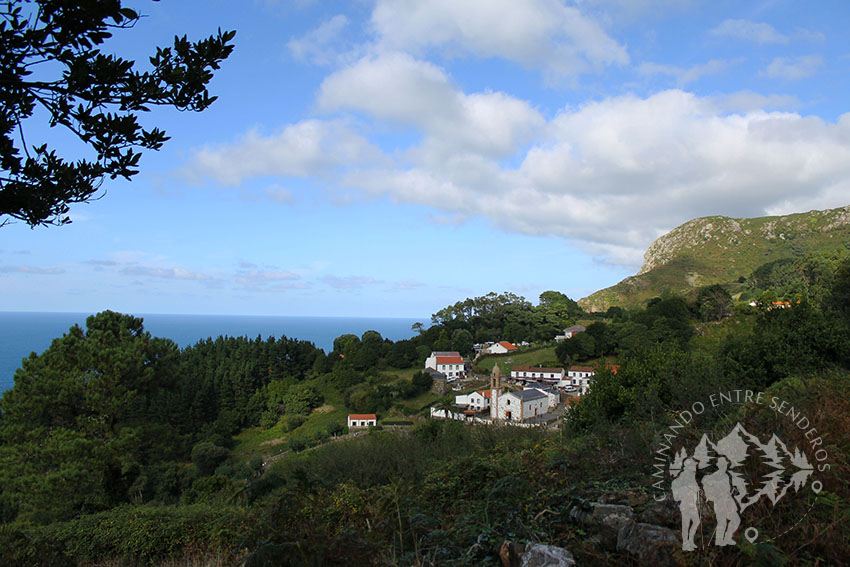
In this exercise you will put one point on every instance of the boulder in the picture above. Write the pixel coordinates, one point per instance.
(539, 555)
(607, 519)
(596, 512)
(651, 544)
(514, 554)
(661, 513)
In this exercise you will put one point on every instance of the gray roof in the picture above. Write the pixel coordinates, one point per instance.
(528, 395)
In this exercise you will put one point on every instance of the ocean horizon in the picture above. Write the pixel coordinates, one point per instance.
(22, 333)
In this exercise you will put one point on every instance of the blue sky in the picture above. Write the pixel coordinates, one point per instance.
(391, 157)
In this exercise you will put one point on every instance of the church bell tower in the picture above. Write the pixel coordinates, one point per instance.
(495, 389)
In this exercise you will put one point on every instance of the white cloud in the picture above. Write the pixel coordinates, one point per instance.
(399, 88)
(349, 282)
(279, 194)
(758, 32)
(177, 273)
(609, 176)
(535, 33)
(258, 278)
(393, 86)
(793, 68)
(31, 270)
(307, 148)
(613, 175)
(321, 45)
(685, 75)
(748, 101)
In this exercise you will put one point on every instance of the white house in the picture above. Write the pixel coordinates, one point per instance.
(570, 332)
(476, 401)
(580, 377)
(449, 363)
(537, 374)
(361, 420)
(522, 406)
(502, 347)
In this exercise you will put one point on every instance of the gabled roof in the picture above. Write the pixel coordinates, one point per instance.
(582, 369)
(449, 359)
(362, 416)
(445, 353)
(527, 395)
(485, 393)
(507, 345)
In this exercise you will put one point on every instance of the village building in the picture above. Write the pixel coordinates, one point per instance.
(502, 347)
(553, 398)
(523, 405)
(476, 401)
(537, 374)
(515, 406)
(362, 420)
(570, 332)
(581, 377)
(448, 363)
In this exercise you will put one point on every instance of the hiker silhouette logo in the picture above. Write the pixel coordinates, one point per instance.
(711, 475)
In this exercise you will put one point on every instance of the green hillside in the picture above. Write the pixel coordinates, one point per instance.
(718, 249)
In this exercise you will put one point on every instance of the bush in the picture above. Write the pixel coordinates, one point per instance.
(206, 457)
(293, 422)
(297, 444)
(334, 428)
(131, 536)
(269, 418)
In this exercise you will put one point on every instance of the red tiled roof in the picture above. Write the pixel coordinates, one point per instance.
(485, 393)
(449, 360)
(362, 416)
(582, 369)
(507, 345)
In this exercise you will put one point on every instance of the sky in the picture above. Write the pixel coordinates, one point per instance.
(391, 157)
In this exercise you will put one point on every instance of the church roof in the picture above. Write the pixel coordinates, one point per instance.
(528, 395)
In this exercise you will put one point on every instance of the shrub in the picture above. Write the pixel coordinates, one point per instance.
(293, 421)
(206, 457)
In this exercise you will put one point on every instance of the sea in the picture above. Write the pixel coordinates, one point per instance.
(24, 333)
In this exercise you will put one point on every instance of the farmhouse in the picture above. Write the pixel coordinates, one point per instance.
(581, 377)
(448, 363)
(502, 347)
(570, 332)
(476, 401)
(362, 420)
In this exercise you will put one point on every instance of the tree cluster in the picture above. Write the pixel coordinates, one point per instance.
(52, 63)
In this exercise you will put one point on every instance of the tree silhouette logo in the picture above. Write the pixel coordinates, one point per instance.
(712, 473)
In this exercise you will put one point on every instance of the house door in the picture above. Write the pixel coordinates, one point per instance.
(508, 415)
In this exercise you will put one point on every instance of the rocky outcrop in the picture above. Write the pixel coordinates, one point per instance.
(534, 555)
(606, 519)
(717, 249)
(616, 527)
(650, 544)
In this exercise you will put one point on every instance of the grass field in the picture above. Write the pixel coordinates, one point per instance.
(266, 442)
(544, 356)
